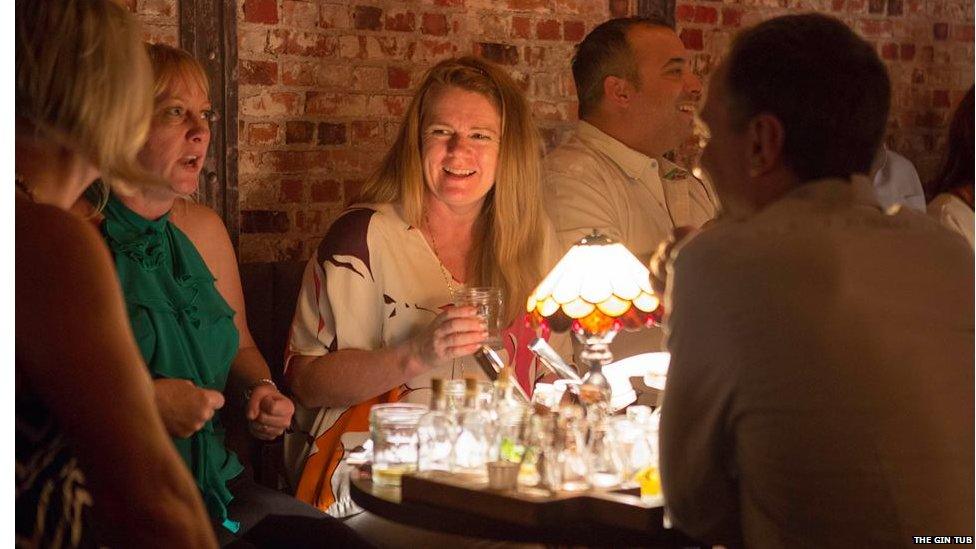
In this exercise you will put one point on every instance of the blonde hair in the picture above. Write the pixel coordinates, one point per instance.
(171, 64)
(511, 254)
(84, 82)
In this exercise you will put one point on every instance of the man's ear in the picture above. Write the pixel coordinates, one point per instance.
(767, 138)
(617, 91)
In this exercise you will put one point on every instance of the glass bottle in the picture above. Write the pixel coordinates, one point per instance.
(508, 415)
(606, 468)
(472, 445)
(436, 432)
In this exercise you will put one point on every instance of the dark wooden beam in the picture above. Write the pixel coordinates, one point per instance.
(208, 30)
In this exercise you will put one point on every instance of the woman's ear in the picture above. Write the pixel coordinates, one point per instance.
(767, 138)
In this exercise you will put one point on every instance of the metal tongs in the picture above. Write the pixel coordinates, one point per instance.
(492, 364)
(549, 358)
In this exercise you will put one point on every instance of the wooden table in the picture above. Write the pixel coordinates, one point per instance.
(579, 520)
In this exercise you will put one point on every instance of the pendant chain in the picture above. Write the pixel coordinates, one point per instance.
(452, 287)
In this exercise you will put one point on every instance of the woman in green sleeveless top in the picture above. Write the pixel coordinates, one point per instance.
(183, 293)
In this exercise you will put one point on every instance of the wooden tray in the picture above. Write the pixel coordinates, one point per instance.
(533, 507)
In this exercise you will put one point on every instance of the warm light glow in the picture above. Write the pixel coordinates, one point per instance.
(593, 285)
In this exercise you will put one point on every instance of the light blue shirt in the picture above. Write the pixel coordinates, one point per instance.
(897, 182)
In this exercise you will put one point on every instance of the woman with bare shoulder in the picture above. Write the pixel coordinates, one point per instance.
(94, 464)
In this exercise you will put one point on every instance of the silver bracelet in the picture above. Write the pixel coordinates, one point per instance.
(262, 381)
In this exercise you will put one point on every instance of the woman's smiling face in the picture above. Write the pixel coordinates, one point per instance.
(461, 133)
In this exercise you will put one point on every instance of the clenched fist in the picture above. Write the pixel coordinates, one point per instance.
(184, 407)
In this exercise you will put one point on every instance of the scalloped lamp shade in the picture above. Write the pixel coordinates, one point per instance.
(595, 287)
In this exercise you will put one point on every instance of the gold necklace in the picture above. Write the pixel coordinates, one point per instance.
(448, 278)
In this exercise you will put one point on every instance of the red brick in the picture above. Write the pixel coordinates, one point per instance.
(261, 11)
(397, 78)
(157, 8)
(693, 39)
(731, 17)
(940, 99)
(684, 13)
(503, 54)
(299, 13)
(837, 5)
(619, 8)
(264, 221)
(907, 52)
(270, 104)
(448, 3)
(333, 104)
(298, 131)
(521, 27)
(332, 134)
(876, 6)
(889, 51)
(328, 190)
(291, 190)
(940, 31)
(332, 16)
(574, 31)
(261, 133)
(367, 18)
(434, 24)
(547, 30)
(706, 14)
(258, 72)
(875, 27)
(896, 7)
(352, 188)
(962, 33)
(405, 21)
(293, 161)
(313, 221)
(528, 5)
(367, 132)
(308, 44)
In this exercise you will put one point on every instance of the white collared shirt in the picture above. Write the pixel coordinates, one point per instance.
(592, 181)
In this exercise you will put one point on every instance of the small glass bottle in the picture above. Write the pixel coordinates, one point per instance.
(472, 445)
(436, 432)
(508, 414)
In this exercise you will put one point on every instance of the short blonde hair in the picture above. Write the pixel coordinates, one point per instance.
(84, 82)
(171, 64)
(511, 256)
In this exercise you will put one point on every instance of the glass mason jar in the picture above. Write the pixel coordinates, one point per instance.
(393, 431)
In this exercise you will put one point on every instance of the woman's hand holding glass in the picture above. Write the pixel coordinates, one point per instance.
(268, 412)
(456, 332)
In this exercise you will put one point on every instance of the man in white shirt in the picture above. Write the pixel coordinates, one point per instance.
(637, 98)
(820, 391)
(896, 181)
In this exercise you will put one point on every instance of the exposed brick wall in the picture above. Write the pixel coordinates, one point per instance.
(926, 44)
(323, 85)
(159, 18)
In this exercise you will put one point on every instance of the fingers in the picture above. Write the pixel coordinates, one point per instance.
(277, 404)
(215, 400)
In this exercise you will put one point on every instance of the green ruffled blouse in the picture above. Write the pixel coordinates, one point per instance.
(184, 329)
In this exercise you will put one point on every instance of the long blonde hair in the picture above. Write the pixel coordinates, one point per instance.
(84, 82)
(511, 254)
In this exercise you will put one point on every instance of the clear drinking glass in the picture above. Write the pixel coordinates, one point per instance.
(393, 430)
(488, 302)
